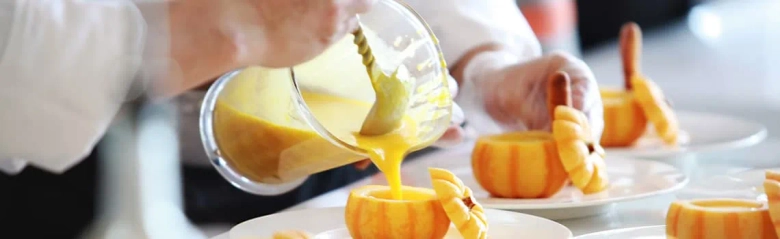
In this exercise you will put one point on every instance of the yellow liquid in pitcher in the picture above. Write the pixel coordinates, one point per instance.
(253, 145)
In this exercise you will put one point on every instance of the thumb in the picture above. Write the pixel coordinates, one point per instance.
(454, 134)
(585, 92)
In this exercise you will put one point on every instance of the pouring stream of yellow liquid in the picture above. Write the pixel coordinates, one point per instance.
(341, 116)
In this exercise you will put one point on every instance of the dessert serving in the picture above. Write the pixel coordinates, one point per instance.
(772, 189)
(518, 165)
(628, 111)
(373, 213)
(538, 164)
(719, 218)
(728, 218)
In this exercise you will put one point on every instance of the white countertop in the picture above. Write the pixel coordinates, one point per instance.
(720, 60)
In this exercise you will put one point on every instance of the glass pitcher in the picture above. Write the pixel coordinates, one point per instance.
(261, 135)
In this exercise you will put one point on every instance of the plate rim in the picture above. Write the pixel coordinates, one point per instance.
(752, 171)
(619, 230)
(598, 202)
(751, 140)
(342, 208)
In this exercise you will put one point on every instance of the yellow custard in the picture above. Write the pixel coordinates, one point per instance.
(253, 145)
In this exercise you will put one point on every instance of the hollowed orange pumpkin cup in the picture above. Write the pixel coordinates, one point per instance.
(518, 165)
(628, 110)
(537, 164)
(371, 213)
(624, 120)
(719, 219)
(772, 190)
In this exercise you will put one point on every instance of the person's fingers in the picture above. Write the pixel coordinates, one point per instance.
(362, 164)
(356, 6)
(585, 92)
(351, 25)
(596, 120)
(583, 84)
(458, 117)
(348, 25)
(452, 137)
(452, 85)
(454, 134)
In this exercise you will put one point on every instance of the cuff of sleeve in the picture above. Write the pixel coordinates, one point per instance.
(479, 23)
(12, 166)
(156, 62)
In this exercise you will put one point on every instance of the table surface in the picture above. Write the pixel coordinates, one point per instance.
(722, 59)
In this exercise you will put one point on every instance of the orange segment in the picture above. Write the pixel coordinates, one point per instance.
(371, 213)
(656, 109)
(719, 218)
(464, 211)
(582, 158)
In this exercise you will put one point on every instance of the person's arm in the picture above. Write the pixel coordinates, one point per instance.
(478, 36)
(497, 60)
(65, 69)
(470, 27)
(68, 65)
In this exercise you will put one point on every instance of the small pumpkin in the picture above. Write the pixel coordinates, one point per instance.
(628, 111)
(772, 190)
(458, 202)
(624, 120)
(291, 234)
(719, 218)
(371, 213)
(518, 165)
(581, 156)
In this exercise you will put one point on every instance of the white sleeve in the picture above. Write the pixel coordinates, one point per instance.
(65, 69)
(462, 25)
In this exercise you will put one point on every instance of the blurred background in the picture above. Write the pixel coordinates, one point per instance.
(720, 49)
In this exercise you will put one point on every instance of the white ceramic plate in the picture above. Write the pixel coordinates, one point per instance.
(631, 179)
(650, 232)
(742, 185)
(701, 132)
(328, 223)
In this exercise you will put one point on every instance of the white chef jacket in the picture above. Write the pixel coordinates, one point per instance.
(66, 66)
(65, 69)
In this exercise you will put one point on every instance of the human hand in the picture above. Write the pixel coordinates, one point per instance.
(514, 95)
(208, 38)
(454, 134)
